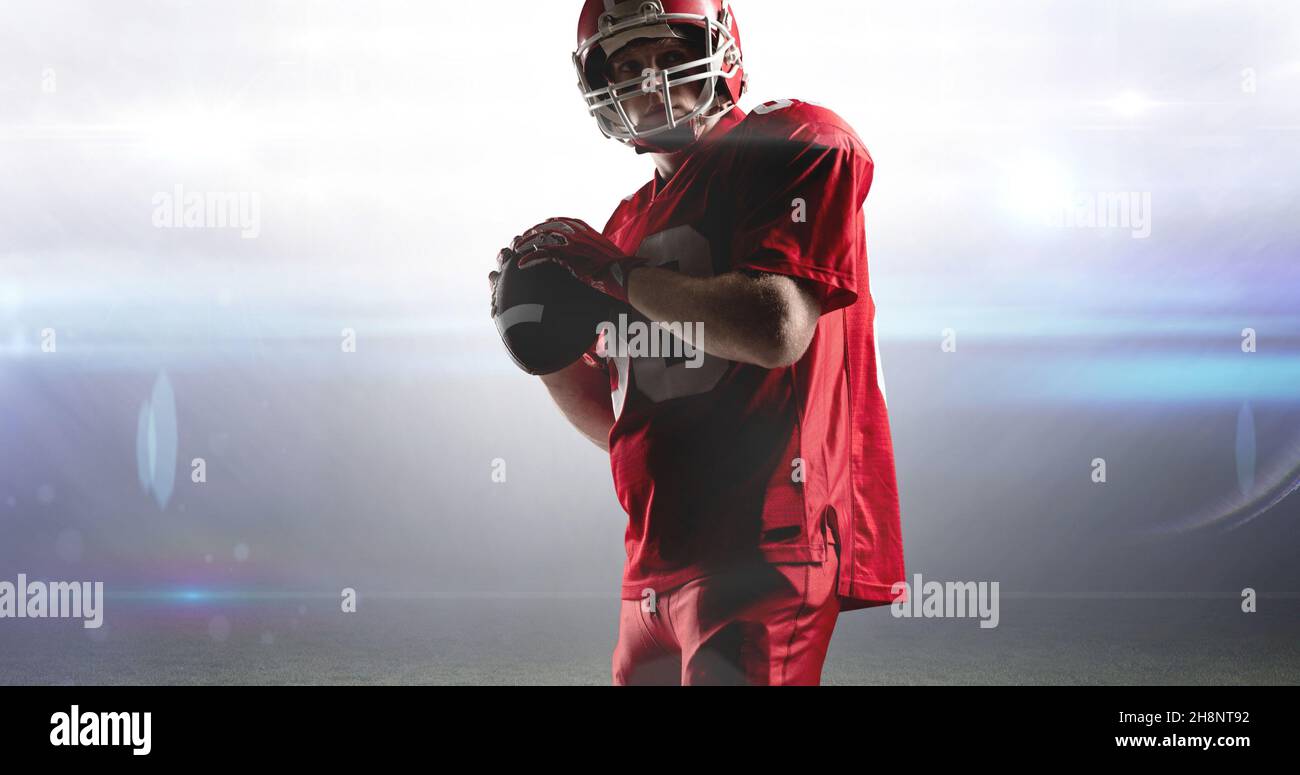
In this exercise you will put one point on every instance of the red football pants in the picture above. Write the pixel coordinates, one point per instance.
(761, 625)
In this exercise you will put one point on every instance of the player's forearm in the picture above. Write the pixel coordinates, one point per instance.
(767, 321)
(582, 394)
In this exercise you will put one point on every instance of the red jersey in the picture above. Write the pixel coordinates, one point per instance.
(730, 461)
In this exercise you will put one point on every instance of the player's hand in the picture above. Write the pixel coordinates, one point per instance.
(586, 253)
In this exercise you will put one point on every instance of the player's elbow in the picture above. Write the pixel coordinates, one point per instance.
(777, 317)
(793, 322)
(789, 333)
(783, 349)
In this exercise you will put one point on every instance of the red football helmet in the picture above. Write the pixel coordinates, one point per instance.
(607, 25)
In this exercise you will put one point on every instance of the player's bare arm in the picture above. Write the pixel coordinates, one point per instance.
(765, 319)
(582, 395)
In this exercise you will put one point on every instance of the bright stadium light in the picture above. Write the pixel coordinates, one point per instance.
(200, 133)
(1130, 104)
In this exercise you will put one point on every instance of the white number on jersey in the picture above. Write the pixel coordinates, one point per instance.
(655, 377)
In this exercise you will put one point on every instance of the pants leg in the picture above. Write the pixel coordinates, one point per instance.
(647, 653)
(759, 625)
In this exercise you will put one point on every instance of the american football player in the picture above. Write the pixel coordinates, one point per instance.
(759, 486)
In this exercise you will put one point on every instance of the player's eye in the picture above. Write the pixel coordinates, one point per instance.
(673, 58)
(629, 67)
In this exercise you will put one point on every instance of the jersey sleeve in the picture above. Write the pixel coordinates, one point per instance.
(800, 210)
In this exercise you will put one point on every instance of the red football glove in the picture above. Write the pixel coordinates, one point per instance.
(502, 257)
(586, 253)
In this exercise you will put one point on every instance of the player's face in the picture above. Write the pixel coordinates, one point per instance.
(647, 111)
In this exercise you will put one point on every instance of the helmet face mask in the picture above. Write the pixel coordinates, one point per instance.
(606, 102)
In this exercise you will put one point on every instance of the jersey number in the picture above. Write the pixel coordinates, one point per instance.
(658, 378)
